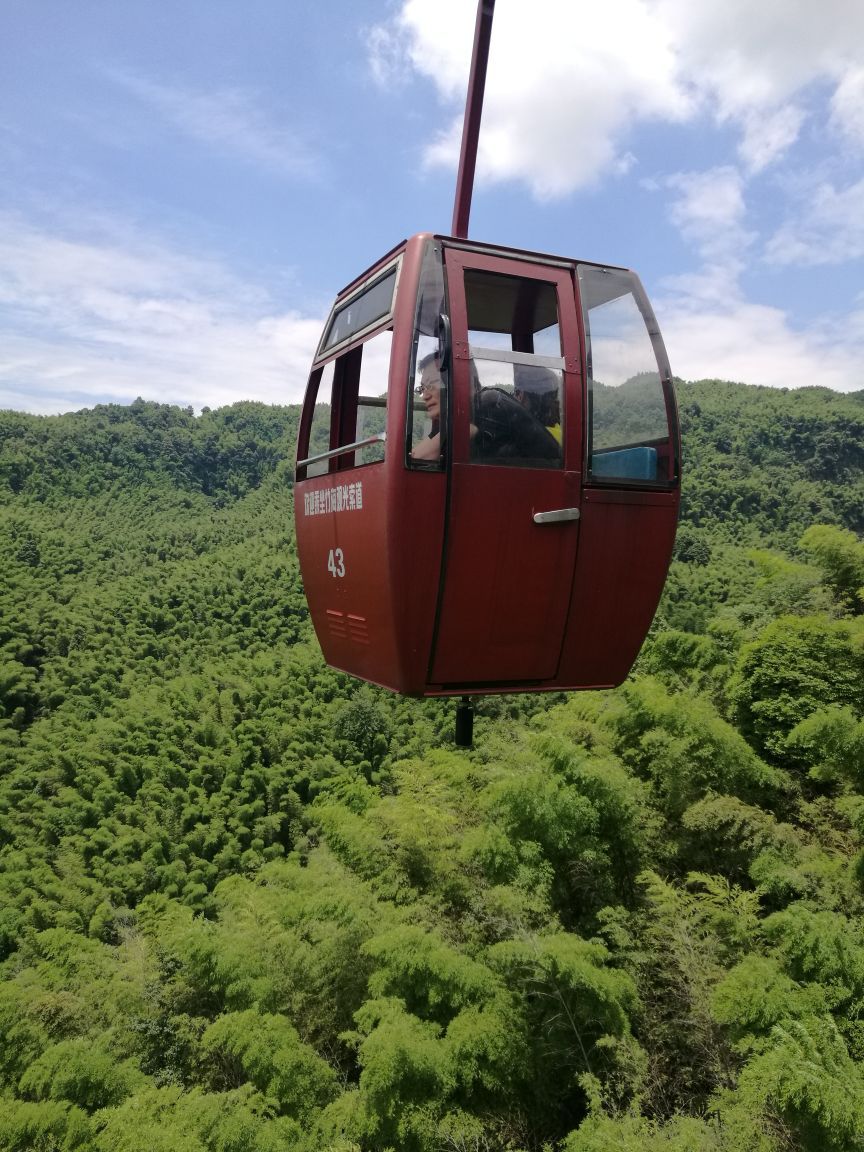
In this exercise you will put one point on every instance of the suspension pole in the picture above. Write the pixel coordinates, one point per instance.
(471, 124)
(464, 736)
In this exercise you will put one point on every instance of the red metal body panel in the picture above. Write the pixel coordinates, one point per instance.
(625, 547)
(376, 621)
(507, 580)
(447, 584)
(350, 610)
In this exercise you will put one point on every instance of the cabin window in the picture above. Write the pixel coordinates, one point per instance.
(629, 438)
(514, 341)
(370, 420)
(319, 434)
(350, 410)
(365, 309)
(429, 378)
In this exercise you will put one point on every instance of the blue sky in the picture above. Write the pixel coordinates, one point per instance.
(185, 184)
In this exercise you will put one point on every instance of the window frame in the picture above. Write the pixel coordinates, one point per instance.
(669, 441)
(382, 320)
(521, 287)
(344, 404)
(434, 254)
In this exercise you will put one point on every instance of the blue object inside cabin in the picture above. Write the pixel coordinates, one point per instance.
(625, 464)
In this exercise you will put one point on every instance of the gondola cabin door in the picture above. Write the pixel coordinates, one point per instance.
(514, 498)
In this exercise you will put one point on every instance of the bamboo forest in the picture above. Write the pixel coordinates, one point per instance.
(248, 904)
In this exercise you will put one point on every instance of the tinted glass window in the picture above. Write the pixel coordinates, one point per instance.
(350, 410)
(370, 421)
(428, 380)
(628, 426)
(514, 341)
(319, 436)
(360, 312)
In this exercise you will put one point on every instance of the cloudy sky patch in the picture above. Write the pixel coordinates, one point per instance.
(184, 189)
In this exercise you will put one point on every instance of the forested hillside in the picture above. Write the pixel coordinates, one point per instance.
(248, 905)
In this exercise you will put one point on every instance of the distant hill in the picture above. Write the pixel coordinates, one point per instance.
(758, 462)
(227, 451)
(765, 463)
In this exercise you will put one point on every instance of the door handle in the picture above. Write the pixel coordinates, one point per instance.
(556, 516)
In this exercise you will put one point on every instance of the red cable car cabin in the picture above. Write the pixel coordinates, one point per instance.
(487, 472)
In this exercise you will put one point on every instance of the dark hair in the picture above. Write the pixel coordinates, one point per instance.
(538, 392)
(534, 378)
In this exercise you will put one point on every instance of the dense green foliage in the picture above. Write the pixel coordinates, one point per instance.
(247, 904)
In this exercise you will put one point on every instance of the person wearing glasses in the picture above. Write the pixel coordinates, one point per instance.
(429, 389)
(503, 430)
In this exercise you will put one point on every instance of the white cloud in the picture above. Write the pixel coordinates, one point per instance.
(564, 82)
(710, 212)
(759, 55)
(828, 228)
(714, 332)
(710, 203)
(767, 135)
(847, 106)
(413, 39)
(732, 339)
(227, 120)
(96, 318)
(388, 56)
(568, 82)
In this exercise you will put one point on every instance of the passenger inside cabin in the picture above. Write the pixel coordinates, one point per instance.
(503, 430)
(536, 388)
(429, 388)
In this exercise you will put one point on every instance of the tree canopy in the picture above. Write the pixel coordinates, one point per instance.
(247, 903)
